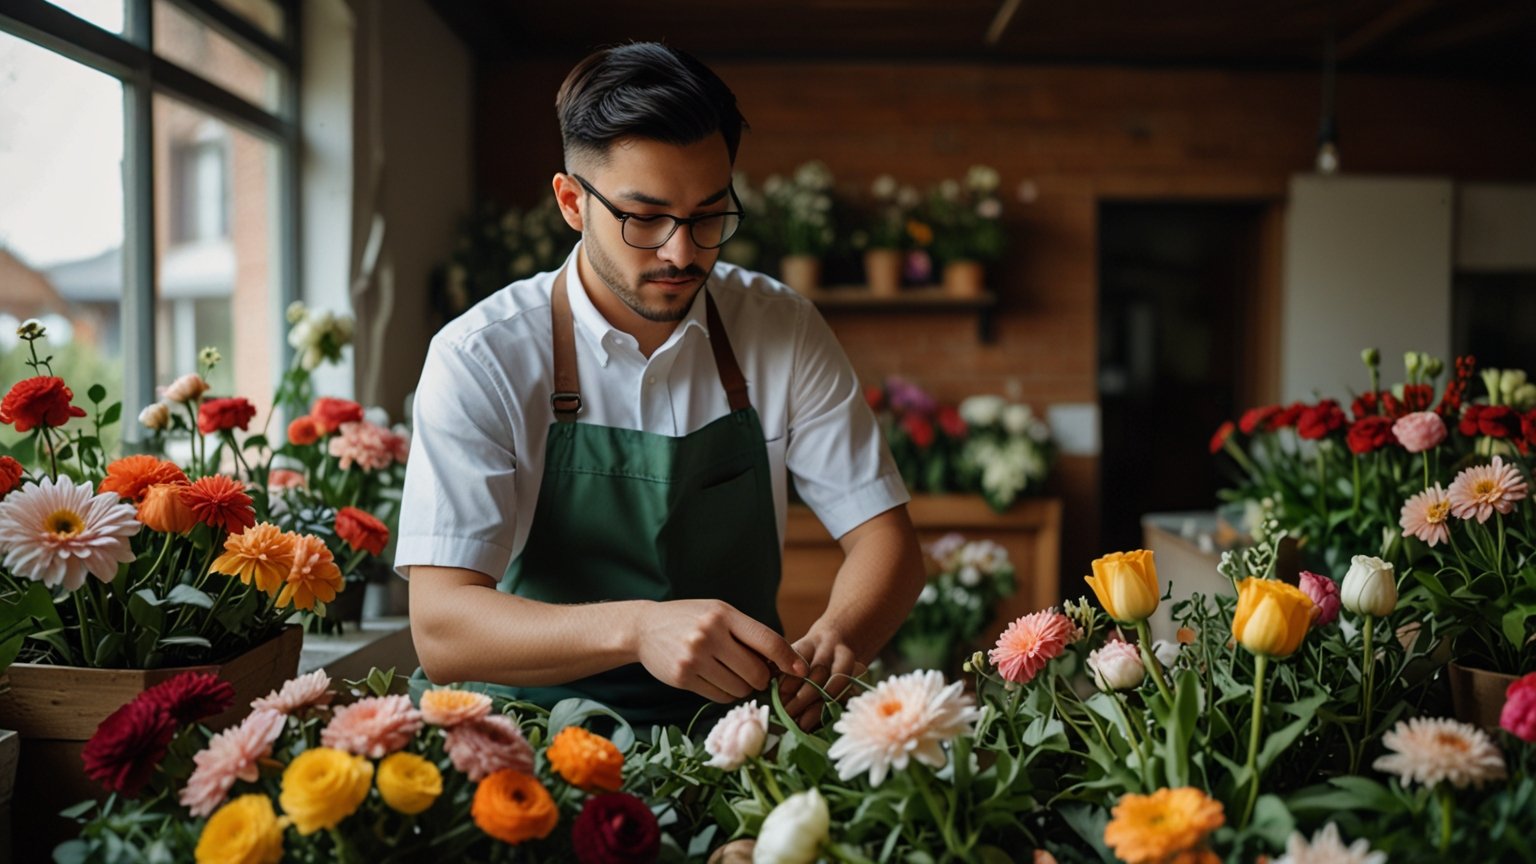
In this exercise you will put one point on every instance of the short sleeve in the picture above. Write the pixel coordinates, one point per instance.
(836, 454)
(458, 507)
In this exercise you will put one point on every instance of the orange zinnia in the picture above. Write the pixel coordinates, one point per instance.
(303, 431)
(131, 476)
(163, 510)
(514, 807)
(362, 530)
(313, 575)
(585, 760)
(1151, 829)
(263, 554)
(220, 502)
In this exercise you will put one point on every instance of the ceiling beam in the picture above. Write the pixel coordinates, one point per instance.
(1373, 31)
(1510, 20)
(1000, 22)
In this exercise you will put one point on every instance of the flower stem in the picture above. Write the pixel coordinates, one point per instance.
(1443, 792)
(1135, 739)
(940, 816)
(1144, 638)
(1367, 686)
(1261, 667)
(1426, 469)
(1355, 507)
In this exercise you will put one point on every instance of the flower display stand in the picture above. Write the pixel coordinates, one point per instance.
(56, 709)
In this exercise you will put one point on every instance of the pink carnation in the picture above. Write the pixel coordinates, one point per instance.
(1419, 431)
(1480, 490)
(298, 694)
(1324, 594)
(372, 447)
(231, 755)
(1031, 642)
(482, 747)
(373, 727)
(1519, 715)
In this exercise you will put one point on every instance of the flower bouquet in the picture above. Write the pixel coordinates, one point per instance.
(1007, 452)
(966, 580)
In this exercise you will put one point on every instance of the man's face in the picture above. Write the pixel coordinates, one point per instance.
(647, 177)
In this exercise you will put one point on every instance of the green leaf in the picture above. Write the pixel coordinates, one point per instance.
(186, 640)
(1277, 741)
(107, 649)
(96, 393)
(66, 452)
(186, 595)
(1513, 624)
(574, 712)
(76, 810)
(255, 442)
(113, 412)
(1186, 710)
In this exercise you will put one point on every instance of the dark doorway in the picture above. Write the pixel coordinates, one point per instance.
(1175, 284)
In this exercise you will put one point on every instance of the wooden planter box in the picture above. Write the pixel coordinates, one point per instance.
(56, 709)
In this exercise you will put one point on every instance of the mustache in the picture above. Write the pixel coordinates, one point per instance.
(691, 272)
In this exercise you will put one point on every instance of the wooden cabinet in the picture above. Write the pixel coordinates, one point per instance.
(1030, 531)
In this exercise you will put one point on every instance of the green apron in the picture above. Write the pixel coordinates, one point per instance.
(630, 515)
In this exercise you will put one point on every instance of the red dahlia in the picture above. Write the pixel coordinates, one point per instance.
(127, 746)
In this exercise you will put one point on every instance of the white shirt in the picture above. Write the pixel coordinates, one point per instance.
(482, 411)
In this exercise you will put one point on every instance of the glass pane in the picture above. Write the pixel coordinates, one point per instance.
(61, 217)
(265, 14)
(188, 42)
(218, 259)
(106, 14)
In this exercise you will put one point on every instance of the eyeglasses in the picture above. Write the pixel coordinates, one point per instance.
(652, 231)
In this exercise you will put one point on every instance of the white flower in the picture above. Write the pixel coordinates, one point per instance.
(884, 187)
(376, 415)
(982, 410)
(209, 356)
(155, 416)
(55, 532)
(1431, 750)
(1116, 665)
(303, 335)
(1327, 848)
(342, 332)
(1167, 653)
(949, 190)
(1017, 418)
(312, 358)
(296, 312)
(982, 178)
(187, 388)
(794, 831)
(989, 208)
(905, 717)
(929, 594)
(969, 576)
(1369, 588)
(908, 197)
(738, 736)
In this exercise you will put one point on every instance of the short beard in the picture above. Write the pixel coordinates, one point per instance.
(607, 271)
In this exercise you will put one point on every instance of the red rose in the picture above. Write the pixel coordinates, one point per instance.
(1498, 421)
(303, 431)
(39, 401)
(1287, 417)
(361, 530)
(221, 415)
(127, 746)
(1369, 435)
(1468, 425)
(1418, 397)
(1257, 419)
(329, 413)
(875, 396)
(1219, 440)
(950, 421)
(919, 430)
(1320, 420)
(192, 696)
(10, 475)
(1365, 405)
(615, 828)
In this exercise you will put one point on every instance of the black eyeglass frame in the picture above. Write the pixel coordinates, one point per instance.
(624, 216)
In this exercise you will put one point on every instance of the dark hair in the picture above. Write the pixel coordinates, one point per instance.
(646, 90)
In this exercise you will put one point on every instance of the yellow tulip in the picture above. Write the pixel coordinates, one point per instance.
(1126, 585)
(1272, 617)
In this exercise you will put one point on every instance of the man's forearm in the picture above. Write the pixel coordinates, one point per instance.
(877, 585)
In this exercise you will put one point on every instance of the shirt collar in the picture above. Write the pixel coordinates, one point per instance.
(602, 332)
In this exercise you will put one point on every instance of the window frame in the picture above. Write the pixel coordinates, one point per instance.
(131, 58)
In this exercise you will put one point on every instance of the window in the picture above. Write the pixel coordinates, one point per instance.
(148, 154)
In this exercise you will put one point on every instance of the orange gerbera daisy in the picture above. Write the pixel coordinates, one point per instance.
(163, 510)
(586, 761)
(220, 502)
(1151, 829)
(263, 554)
(313, 576)
(131, 476)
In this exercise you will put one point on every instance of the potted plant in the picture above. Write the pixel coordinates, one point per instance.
(967, 229)
(799, 220)
(885, 235)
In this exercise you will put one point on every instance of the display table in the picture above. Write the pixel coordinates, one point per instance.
(1030, 531)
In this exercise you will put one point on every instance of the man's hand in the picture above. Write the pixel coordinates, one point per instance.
(833, 666)
(710, 648)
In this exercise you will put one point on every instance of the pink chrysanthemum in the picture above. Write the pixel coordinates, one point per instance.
(906, 717)
(442, 706)
(297, 694)
(372, 727)
(1433, 750)
(372, 447)
(1029, 643)
(1427, 516)
(480, 748)
(231, 755)
(1480, 490)
(57, 531)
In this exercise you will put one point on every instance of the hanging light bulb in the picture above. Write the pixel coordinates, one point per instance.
(1328, 131)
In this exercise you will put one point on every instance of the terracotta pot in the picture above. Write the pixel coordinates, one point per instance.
(964, 279)
(1477, 695)
(801, 272)
(882, 272)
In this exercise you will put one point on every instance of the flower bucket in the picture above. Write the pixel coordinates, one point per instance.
(56, 709)
(1477, 695)
(964, 279)
(882, 272)
(801, 272)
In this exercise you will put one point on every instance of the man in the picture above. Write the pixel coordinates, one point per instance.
(619, 432)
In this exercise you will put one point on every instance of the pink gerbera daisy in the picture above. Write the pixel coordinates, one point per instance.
(1426, 516)
(57, 531)
(372, 727)
(481, 747)
(1031, 642)
(906, 717)
(297, 694)
(1480, 490)
(231, 755)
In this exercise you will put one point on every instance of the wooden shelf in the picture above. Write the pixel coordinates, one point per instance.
(926, 298)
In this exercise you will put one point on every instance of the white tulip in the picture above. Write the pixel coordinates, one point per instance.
(1370, 587)
(794, 831)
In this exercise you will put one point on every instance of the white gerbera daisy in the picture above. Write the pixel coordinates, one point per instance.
(57, 531)
(906, 717)
(1430, 750)
(1327, 848)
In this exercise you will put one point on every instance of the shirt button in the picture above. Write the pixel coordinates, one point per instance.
(651, 379)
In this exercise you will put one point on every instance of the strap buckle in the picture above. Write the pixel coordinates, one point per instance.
(572, 402)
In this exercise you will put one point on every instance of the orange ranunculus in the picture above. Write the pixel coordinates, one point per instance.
(220, 502)
(10, 475)
(329, 413)
(585, 760)
(1152, 829)
(514, 807)
(131, 476)
(40, 401)
(303, 431)
(262, 554)
(312, 576)
(1126, 585)
(163, 510)
(1271, 617)
(223, 415)
(362, 530)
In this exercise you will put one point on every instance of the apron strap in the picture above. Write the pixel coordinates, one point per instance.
(566, 400)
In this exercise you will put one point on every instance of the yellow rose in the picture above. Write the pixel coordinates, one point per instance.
(244, 831)
(1126, 585)
(1272, 617)
(323, 786)
(409, 783)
